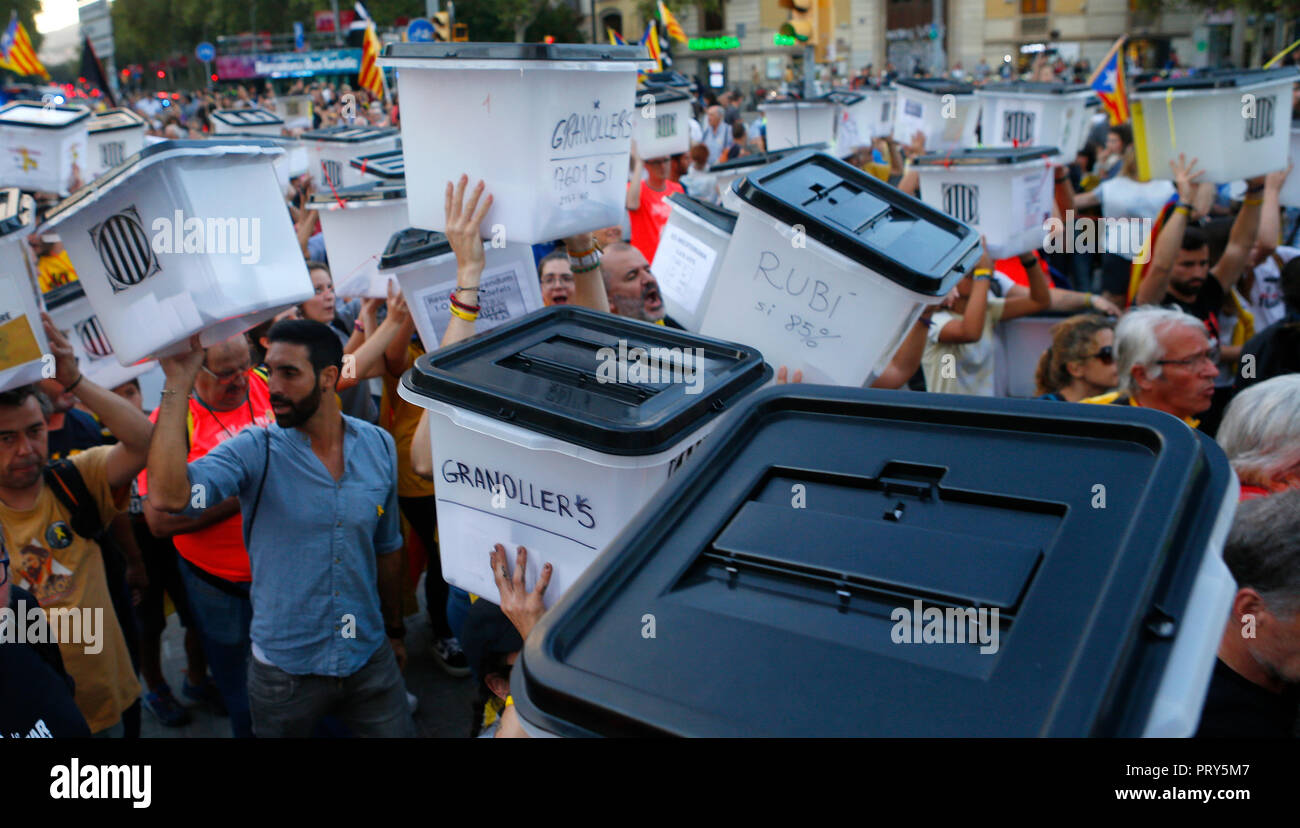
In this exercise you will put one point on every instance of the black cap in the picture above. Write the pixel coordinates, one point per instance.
(486, 633)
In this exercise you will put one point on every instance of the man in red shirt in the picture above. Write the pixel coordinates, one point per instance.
(229, 395)
(647, 201)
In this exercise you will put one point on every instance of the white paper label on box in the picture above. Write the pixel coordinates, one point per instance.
(682, 266)
(587, 148)
(18, 343)
(849, 136)
(807, 307)
(500, 299)
(911, 118)
(1035, 192)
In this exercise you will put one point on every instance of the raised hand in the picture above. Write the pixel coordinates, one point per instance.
(523, 607)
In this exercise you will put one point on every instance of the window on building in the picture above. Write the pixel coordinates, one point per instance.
(1033, 6)
(712, 21)
(611, 20)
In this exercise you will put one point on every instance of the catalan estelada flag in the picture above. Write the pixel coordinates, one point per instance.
(670, 23)
(650, 40)
(18, 54)
(371, 78)
(615, 39)
(1138, 272)
(1108, 82)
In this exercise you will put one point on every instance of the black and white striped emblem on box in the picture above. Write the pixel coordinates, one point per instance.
(332, 171)
(124, 249)
(1018, 127)
(93, 338)
(1261, 126)
(112, 153)
(962, 202)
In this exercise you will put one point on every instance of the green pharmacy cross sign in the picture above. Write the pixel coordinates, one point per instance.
(712, 44)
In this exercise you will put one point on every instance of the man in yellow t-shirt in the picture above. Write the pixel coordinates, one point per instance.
(61, 568)
(53, 267)
(415, 495)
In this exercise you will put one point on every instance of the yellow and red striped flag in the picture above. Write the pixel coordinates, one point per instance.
(18, 54)
(670, 23)
(651, 41)
(372, 77)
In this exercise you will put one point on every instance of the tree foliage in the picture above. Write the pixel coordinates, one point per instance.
(154, 30)
(27, 10)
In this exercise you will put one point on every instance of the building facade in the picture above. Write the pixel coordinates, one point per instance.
(737, 46)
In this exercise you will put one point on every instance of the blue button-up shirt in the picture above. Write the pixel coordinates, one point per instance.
(314, 541)
(716, 140)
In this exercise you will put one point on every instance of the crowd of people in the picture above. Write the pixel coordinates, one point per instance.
(263, 444)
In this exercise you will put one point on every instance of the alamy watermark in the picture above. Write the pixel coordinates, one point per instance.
(651, 366)
(1123, 236)
(53, 625)
(208, 236)
(950, 625)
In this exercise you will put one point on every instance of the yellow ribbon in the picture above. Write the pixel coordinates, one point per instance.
(1281, 55)
(1169, 108)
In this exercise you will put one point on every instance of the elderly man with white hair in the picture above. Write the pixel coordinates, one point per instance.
(1165, 361)
(1260, 433)
(717, 134)
(1255, 688)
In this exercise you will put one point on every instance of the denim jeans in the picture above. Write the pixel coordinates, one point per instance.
(457, 608)
(371, 701)
(422, 514)
(223, 621)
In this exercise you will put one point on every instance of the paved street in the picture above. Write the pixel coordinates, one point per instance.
(444, 709)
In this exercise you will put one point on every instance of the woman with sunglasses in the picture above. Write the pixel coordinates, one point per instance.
(1080, 362)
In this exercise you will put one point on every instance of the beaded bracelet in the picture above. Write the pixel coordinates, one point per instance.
(468, 317)
(456, 303)
(585, 262)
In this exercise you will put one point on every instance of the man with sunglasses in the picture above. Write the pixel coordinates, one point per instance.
(1164, 360)
(647, 201)
(228, 397)
(36, 692)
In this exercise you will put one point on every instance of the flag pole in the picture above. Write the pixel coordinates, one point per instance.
(1281, 55)
(383, 78)
(1101, 64)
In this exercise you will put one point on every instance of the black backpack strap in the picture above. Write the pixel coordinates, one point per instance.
(252, 516)
(69, 487)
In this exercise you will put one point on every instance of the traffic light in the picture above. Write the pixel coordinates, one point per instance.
(442, 26)
(460, 32)
(812, 23)
(803, 19)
